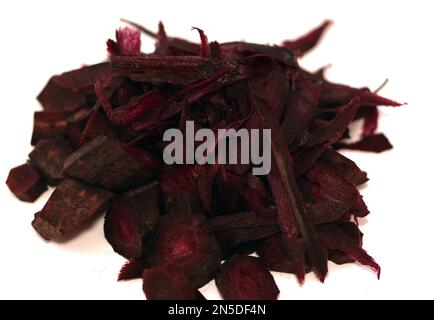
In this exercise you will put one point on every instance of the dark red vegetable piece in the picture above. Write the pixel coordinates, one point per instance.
(130, 221)
(345, 236)
(125, 91)
(334, 187)
(167, 70)
(56, 97)
(376, 143)
(228, 188)
(180, 189)
(326, 211)
(75, 125)
(246, 278)
(301, 108)
(370, 123)
(242, 50)
(205, 183)
(133, 269)
(235, 229)
(216, 50)
(169, 283)
(127, 42)
(106, 163)
(167, 45)
(272, 254)
(308, 41)
(356, 237)
(73, 90)
(277, 84)
(339, 257)
(205, 50)
(83, 79)
(48, 157)
(26, 183)
(48, 125)
(239, 220)
(333, 130)
(70, 206)
(188, 95)
(344, 167)
(186, 241)
(337, 94)
(127, 114)
(298, 237)
(244, 248)
(307, 157)
(257, 198)
(96, 125)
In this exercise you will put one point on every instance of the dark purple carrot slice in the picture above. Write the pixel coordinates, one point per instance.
(344, 167)
(127, 114)
(133, 269)
(335, 188)
(75, 125)
(215, 49)
(321, 72)
(242, 50)
(301, 108)
(307, 157)
(167, 45)
(228, 191)
(96, 125)
(339, 257)
(188, 95)
(205, 183)
(180, 189)
(354, 236)
(272, 254)
(326, 211)
(346, 237)
(277, 84)
(161, 46)
(157, 70)
(56, 97)
(338, 94)
(239, 220)
(73, 90)
(244, 248)
(83, 79)
(48, 157)
(376, 143)
(333, 130)
(186, 241)
(298, 237)
(127, 42)
(154, 62)
(370, 122)
(205, 50)
(308, 41)
(48, 125)
(169, 283)
(246, 278)
(71, 205)
(234, 229)
(104, 162)
(130, 221)
(26, 183)
(257, 198)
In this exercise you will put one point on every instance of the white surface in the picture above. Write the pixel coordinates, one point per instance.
(370, 41)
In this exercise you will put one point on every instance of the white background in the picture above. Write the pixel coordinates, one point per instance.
(370, 41)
